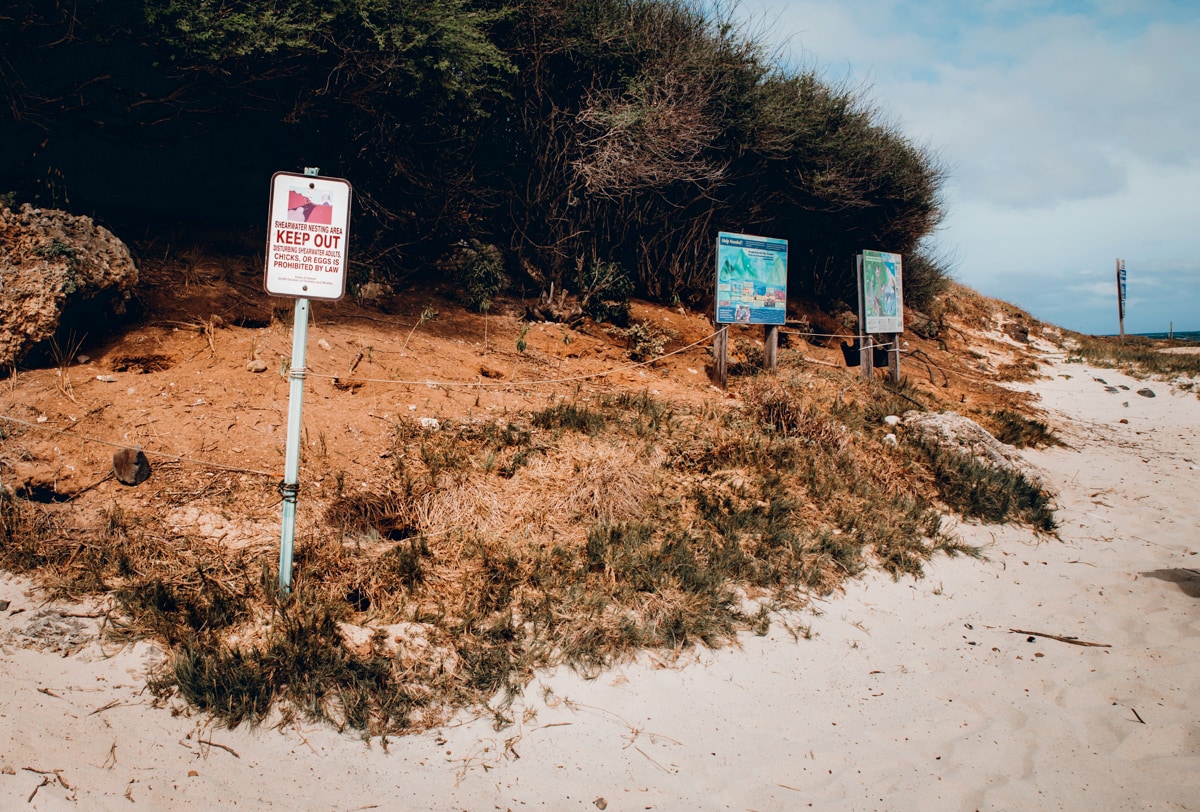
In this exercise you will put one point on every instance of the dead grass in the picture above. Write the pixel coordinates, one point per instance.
(1137, 355)
(582, 529)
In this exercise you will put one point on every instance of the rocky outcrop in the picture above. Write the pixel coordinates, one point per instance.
(962, 434)
(57, 270)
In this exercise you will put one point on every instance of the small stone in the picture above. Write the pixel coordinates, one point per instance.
(256, 365)
(83, 359)
(430, 423)
(892, 420)
(192, 774)
(357, 638)
(1124, 420)
(1146, 393)
(107, 378)
(890, 439)
(323, 344)
(131, 466)
(3, 605)
(601, 803)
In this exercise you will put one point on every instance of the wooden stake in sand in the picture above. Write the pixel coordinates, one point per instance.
(721, 357)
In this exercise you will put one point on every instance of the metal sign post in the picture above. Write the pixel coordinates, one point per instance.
(307, 235)
(289, 488)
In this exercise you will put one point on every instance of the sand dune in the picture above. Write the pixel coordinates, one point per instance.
(909, 695)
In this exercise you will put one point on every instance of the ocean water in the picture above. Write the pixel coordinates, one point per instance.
(1193, 335)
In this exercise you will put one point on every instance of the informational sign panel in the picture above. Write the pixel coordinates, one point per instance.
(307, 236)
(883, 292)
(751, 279)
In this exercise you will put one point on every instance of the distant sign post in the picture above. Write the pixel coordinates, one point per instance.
(880, 306)
(751, 289)
(307, 235)
(1121, 294)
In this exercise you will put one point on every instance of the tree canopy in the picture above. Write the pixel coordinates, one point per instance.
(570, 134)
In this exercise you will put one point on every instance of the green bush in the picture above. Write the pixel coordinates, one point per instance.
(479, 270)
(926, 276)
(604, 291)
(645, 340)
(981, 491)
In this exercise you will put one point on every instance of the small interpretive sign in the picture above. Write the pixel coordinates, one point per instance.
(883, 296)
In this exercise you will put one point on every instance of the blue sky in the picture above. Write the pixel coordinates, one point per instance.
(1071, 131)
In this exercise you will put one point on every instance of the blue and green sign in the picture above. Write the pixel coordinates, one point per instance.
(883, 294)
(751, 279)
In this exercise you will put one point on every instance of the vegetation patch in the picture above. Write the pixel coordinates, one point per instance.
(981, 491)
(1137, 355)
(581, 532)
(1015, 429)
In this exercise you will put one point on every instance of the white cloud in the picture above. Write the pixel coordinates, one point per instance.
(1070, 135)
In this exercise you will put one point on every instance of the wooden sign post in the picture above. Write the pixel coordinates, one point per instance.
(1121, 295)
(770, 347)
(720, 374)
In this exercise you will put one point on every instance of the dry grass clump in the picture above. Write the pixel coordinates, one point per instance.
(1015, 429)
(1137, 355)
(981, 491)
(581, 533)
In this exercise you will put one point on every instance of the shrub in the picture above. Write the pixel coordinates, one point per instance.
(926, 276)
(1020, 431)
(645, 340)
(604, 291)
(982, 491)
(479, 269)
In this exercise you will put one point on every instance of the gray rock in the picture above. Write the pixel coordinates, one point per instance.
(962, 434)
(256, 365)
(56, 267)
(1146, 393)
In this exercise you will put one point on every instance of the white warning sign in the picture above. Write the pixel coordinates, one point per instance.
(307, 236)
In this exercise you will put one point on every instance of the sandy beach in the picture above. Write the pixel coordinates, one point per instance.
(1059, 673)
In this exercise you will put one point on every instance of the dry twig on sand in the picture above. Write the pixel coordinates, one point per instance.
(1075, 641)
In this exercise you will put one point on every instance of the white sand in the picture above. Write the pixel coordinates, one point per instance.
(910, 695)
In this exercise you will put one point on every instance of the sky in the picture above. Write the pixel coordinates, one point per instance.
(1071, 131)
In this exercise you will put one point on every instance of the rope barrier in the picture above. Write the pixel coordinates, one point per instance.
(482, 383)
(786, 331)
(308, 372)
(163, 454)
(479, 383)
